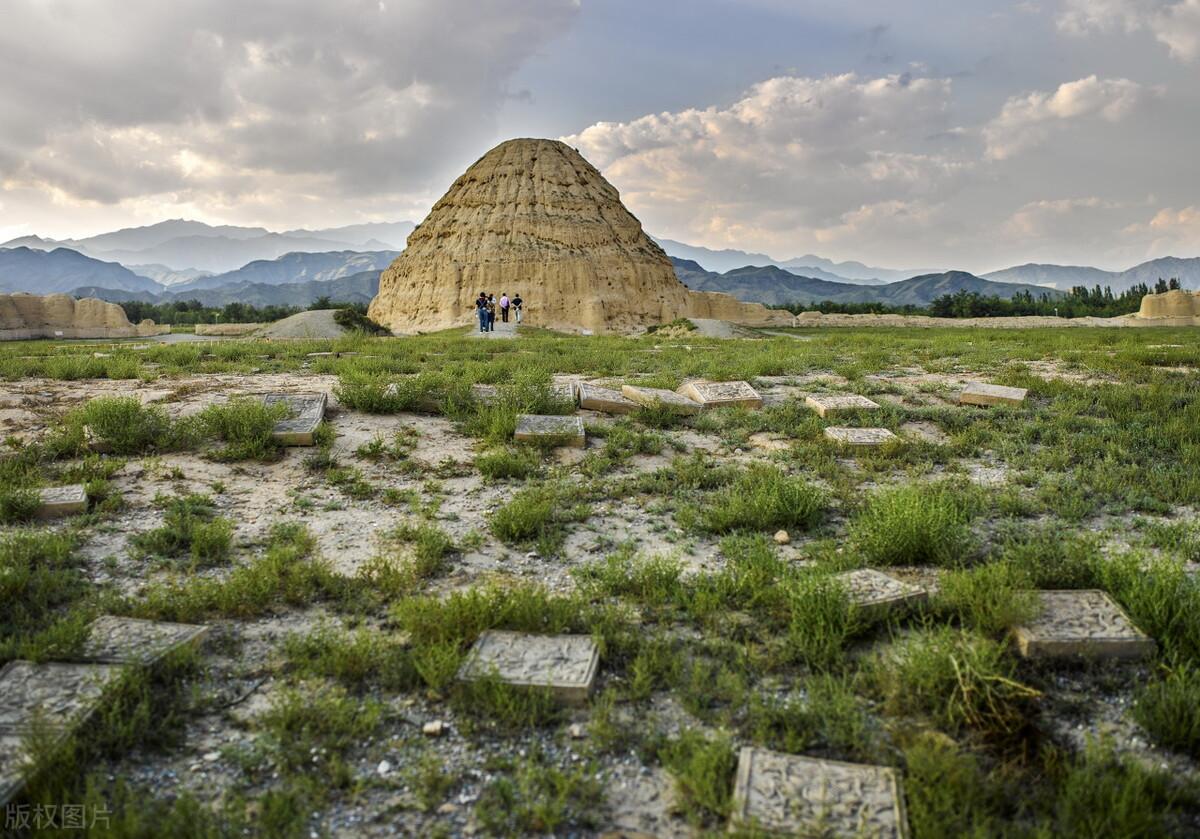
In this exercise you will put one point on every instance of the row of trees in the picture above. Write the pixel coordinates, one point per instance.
(193, 311)
(1079, 302)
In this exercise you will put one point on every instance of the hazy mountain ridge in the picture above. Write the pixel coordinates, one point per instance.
(296, 268)
(1064, 277)
(355, 288)
(62, 269)
(809, 265)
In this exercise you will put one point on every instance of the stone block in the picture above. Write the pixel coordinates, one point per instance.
(306, 410)
(62, 501)
(803, 796)
(58, 695)
(558, 430)
(651, 396)
(978, 393)
(826, 404)
(864, 438)
(877, 593)
(721, 394)
(117, 640)
(1085, 623)
(566, 664)
(604, 399)
(565, 391)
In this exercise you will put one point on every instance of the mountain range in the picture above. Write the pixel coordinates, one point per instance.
(809, 265)
(355, 288)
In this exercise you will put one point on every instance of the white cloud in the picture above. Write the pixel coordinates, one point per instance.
(1170, 230)
(1027, 120)
(1175, 23)
(796, 159)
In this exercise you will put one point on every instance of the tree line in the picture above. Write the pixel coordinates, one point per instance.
(185, 312)
(1081, 301)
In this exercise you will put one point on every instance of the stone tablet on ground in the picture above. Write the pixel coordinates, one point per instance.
(57, 695)
(876, 592)
(978, 393)
(117, 640)
(565, 391)
(566, 664)
(603, 399)
(62, 501)
(558, 430)
(721, 394)
(651, 396)
(306, 411)
(860, 437)
(1085, 623)
(839, 403)
(803, 796)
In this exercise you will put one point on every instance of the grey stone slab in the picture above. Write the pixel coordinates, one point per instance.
(62, 501)
(604, 399)
(650, 396)
(876, 592)
(803, 796)
(565, 391)
(566, 664)
(826, 404)
(59, 695)
(559, 430)
(306, 410)
(1084, 623)
(721, 394)
(119, 640)
(860, 437)
(978, 393)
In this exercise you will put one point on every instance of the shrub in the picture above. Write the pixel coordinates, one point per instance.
(532, 797)
(126, 426)
(244, 425)
(190, 527)
(990, 599)
(356, 321)
(538, 514)
(18, 504)
(1169, 710)
(763, 498)
(501, 463)
(702, 768)
(913, 525)
(822, 620)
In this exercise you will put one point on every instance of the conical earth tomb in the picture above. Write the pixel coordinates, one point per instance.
(533, 217)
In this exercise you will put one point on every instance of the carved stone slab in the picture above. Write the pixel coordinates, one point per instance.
(61, 695)
(565, 391)
(133, 641)
(804, 796)
(62, 501)
(978, 393)
(860, 437)
(651, 396)
(306, 409)
(567, 664)
(720, 394)
(604, 399)
(876, 592)
(1081, 623)
(561, 431)
(839, 403)
(12, 766)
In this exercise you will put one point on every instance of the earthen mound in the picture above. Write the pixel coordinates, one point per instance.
(318, 324)
(24, 316)
(1175, 308)
(533, 217)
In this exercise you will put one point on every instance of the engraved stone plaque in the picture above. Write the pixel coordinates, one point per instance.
(561, 431)
(720, 394)
(62, 501)
(839, 403)
(978, 393)
(1081, 623)
(603, 399)
(860, 437)
(876, 592)
(61, 695)
(566, 664)
(134, 641)
(306, 412)
(651, 396)
(804, 796)
(564, 391)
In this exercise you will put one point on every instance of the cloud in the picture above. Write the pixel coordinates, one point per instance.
(1170, 230)
(1027, 120)
(221, 102)
(1175, 23)
(795, 159)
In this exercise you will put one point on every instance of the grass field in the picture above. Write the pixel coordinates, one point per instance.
(346, 582)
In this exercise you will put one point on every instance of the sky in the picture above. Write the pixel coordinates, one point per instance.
(965, 134)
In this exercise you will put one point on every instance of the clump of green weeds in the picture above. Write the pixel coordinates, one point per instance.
(191, 527)
(916, 524)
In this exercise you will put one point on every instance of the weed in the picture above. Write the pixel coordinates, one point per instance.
(913, 525)
(1169, 710)
(532, 796)
(190, 527)
(763, 498)
(539, 514)
(244, 426)
(506, 463)
(125, 426)
(991, 598)
(702, 768)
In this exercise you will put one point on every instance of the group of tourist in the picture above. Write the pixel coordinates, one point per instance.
(486, 306)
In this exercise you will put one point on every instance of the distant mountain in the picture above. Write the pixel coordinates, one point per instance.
(356, 288)
(1064, 277)
(809, 266)
(774, 286)
(168, 276)
(62, 269)
(296, 268)
(180, 245)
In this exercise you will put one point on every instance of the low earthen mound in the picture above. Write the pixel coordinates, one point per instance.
(318, 324)
(1174, 308)
(533, 217)
(25, 316)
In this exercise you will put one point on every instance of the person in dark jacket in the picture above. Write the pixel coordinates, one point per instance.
(516, 305)
(481, 311)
